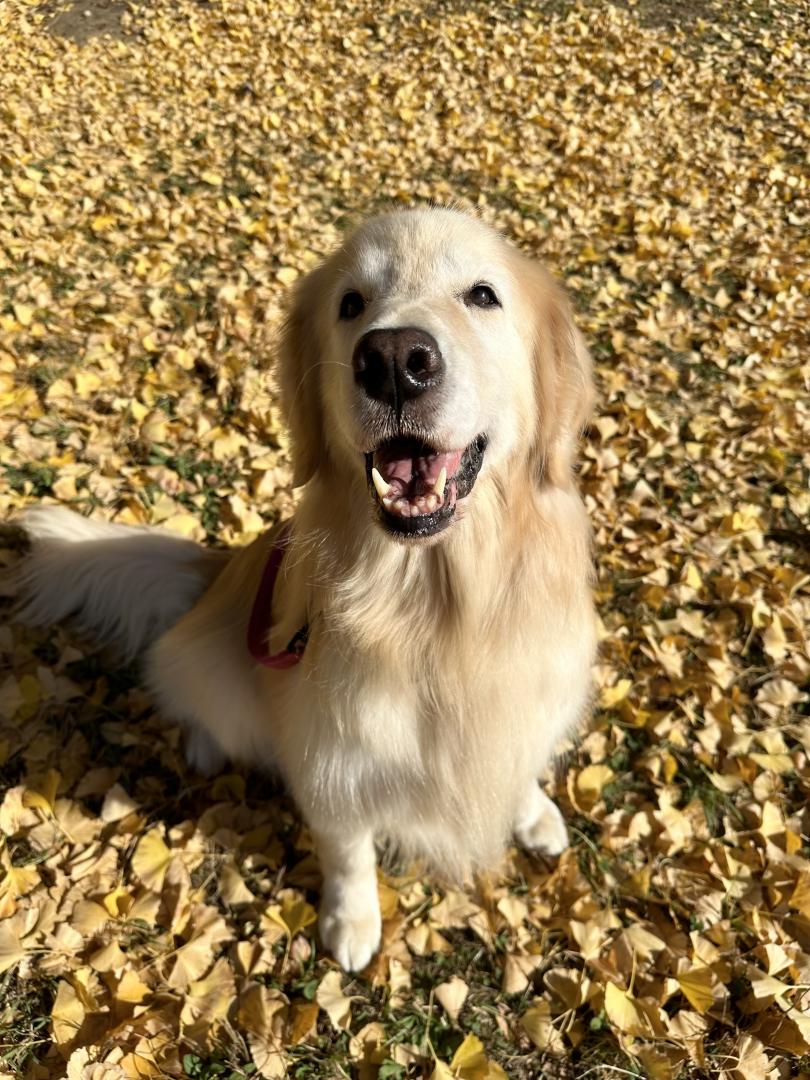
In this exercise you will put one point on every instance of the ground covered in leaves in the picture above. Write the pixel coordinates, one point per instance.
(160, 188)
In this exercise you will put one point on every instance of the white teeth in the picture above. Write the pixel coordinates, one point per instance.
(382, 487)
(404, 506)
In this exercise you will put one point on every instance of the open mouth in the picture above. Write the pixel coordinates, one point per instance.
(416, 487)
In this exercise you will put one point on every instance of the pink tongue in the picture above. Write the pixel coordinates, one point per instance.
(415, 474)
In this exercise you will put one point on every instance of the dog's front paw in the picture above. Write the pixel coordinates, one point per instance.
(546, 831)
(351, 937)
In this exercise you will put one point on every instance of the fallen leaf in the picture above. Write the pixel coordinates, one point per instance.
(451, 996)
(151, 860)
(336, 1005)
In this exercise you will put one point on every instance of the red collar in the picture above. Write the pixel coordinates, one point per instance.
(260, 615)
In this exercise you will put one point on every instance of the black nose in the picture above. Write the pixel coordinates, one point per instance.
(396, 365)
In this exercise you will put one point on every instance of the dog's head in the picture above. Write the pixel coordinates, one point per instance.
(425, 355)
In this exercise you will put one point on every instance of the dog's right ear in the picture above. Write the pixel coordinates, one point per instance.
(299, 375)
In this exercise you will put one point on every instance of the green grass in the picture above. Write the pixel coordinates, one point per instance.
(25, 1008)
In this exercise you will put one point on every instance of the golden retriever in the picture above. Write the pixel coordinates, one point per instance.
(410, 648)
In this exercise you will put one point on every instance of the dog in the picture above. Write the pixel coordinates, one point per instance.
(410, 648)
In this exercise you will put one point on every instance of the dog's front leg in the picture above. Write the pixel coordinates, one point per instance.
(349, 918)
(203, 752)
(540, 826)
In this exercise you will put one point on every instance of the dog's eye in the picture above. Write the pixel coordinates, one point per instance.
(352, 305)
(481, 296)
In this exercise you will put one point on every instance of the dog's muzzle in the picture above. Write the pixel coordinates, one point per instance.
(416, 487)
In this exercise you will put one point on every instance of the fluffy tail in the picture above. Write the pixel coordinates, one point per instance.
(123, 585)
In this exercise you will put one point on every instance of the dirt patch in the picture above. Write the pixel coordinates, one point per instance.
(81, 20)
(669, 14)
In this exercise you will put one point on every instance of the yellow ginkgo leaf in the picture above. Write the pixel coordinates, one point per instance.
(593, 778)
(303, 1018)
(471, 1063)
(144, 908)
(44, 796)
(451, 996)
(67, 1014)
(623, 1011)
(442, 1072)
(11, 947)
(232, 887)
(191, 961)
(209, 999)
(23, 313)
(151, 860)
(87, 382)
(610, 696)
(102, 222)
(778, 763)
(336, 1005)
(108, 958)
(132, 989)
(536, 1022)
(19, 880)
(89, 917)
(292, 915)
(186, 525)
(800, 897)
(696, 986)
(134, 1066)
(469, 1055)
(424, 940)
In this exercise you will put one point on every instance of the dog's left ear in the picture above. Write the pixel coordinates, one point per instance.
(564, 384)
(298, 375)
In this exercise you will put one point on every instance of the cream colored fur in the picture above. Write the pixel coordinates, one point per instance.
(439, 676)
(123, 585)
